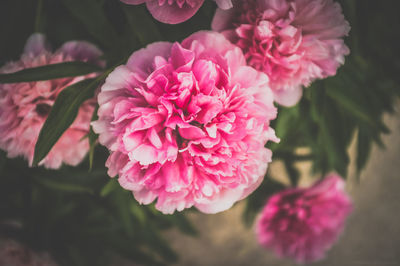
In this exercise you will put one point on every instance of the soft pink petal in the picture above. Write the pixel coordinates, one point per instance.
(172, 14)
(224, 4)
(142, 60)
(36, 44)
(82, 51)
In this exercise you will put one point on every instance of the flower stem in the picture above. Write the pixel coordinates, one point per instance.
(38, 18)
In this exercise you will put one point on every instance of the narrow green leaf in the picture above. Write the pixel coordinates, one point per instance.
(293, 172)
(123, 214)
(92, 139)
(334, 141)
(138, 212)
(286, 127)
(343, 89)
(52, 71)
(364, 145)
(62, 185)
(109, 187)
(39, 17)
(63, 114)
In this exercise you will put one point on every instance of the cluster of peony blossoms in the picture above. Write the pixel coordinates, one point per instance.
(175, 11)
(302, 223)
(186, 123)
(293, 41)
(25, 106)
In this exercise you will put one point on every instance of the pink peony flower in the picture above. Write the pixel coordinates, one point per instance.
(302, 223)
(175, 11)
(187, 124)
(24, 106)
(293, 41)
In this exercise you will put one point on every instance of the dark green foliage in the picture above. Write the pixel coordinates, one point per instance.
(82, 218)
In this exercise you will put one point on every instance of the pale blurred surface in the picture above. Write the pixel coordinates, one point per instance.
(372, 236)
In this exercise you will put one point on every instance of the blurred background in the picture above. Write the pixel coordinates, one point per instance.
(79, 217)
(371, 238)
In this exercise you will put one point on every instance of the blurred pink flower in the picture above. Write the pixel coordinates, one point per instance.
(293, 41)
(15, 254)
(187, 124)
(24, 106)
(302, 223)
(175, 11)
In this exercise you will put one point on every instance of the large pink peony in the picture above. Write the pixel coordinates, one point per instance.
(187, 124)
(24, 106)
(293, 41)
(302, 223)
(175, 11)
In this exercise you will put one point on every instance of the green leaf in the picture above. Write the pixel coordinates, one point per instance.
(92, 139)
(63, 114)
(138, 212)
(47, 72)
(111, 185)
(286, 127)
(349, 99)
(364, 145)
(62, 185)
(292, 171)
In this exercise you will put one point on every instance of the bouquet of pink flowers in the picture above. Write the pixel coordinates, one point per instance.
(172, 104)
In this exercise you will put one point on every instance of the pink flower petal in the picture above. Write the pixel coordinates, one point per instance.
(173, 14)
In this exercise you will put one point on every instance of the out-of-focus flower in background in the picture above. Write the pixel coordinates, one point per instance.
(25, 106)
(187, 124)
(293, 42)
(175, 11)
(302, 223)
(13, 253)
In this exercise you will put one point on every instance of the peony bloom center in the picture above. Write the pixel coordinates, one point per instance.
(270, 40)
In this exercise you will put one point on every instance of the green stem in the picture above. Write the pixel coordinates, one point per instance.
(38, 19)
